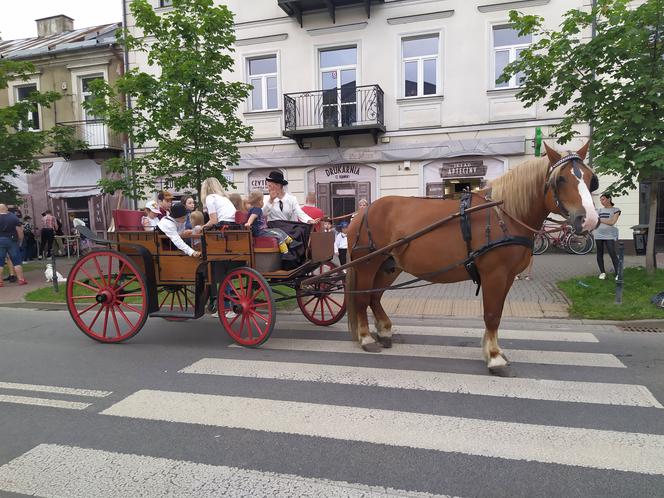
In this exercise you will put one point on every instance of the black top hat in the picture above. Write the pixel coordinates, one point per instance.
(178, 211)
(276, 177)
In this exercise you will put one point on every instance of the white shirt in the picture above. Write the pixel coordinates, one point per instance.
(170, 227)
(152, 222)
(291, 209)
(221, 206)
(340, 242)
(77, 222)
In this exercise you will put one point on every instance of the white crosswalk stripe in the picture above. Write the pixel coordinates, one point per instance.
(552, 390)
(48, 402)
(453, 352)
(531, 334)
(632, 452)
(55, 470)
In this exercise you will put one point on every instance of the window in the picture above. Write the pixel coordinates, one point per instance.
(22, 93)
(419, 57)
(507, 47)
(263, 77)
(165, 3)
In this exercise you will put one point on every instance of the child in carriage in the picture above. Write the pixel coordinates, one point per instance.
(258, 224)
(197, 221)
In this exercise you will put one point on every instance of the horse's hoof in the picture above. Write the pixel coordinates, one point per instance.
(371, 347)
(385, 342)
(498, 361)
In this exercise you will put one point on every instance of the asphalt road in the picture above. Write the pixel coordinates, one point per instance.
(179, 411)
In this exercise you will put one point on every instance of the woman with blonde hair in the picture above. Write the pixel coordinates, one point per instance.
(219, 207)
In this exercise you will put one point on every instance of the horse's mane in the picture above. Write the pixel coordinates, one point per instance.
(520, 186)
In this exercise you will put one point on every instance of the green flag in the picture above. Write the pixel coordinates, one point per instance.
(538, 141)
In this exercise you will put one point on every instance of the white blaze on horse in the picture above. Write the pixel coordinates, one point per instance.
(488, 245)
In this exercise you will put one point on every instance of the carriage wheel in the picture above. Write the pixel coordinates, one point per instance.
(178, 298)
(107, 296)
(246, 307)
(323, 303)
(540, 244)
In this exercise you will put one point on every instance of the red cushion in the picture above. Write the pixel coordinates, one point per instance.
(266, 243)
(127, 220)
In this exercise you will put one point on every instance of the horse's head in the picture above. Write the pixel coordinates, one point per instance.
(569, 183)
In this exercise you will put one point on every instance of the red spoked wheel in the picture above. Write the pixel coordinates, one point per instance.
(246, 307)
(323, 303)
(107, 296)
(178, 298)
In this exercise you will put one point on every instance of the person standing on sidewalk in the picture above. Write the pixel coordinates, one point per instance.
(606, 234)
(47, 234)
(11, 238)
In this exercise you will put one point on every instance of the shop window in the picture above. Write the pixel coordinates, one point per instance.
(79, 207)
(507, 47)
(420, 64)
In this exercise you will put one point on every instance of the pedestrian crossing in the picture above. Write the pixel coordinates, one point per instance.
(324, 391)
(49, 402)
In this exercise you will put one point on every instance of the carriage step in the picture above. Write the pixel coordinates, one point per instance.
(181, 315)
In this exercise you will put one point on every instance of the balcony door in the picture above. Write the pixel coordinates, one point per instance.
(93, 130)
(338, 79)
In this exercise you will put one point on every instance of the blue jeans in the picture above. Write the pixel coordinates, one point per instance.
(10, 247)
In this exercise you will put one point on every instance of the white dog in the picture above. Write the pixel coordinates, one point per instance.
(48, 273)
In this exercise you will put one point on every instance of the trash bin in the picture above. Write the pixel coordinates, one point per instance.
(640, 239)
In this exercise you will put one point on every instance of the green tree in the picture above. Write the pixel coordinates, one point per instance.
(18, 143)
(606, 66)
(183, 119)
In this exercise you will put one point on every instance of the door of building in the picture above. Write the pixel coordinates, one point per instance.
(345, 196)
(338, 74)
(94, 130)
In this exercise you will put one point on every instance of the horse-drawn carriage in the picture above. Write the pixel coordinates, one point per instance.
(111, 291)
(490, 242)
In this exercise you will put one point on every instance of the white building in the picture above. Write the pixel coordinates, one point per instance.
(367, 98)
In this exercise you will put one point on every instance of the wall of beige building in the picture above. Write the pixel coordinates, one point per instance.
(465, 108)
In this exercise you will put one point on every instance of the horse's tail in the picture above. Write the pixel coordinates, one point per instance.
(351, 308)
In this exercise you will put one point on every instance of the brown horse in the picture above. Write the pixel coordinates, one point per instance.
(530, 192)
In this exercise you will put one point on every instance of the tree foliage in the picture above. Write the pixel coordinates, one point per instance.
(19, 145)
(183, 116)
(614, 80)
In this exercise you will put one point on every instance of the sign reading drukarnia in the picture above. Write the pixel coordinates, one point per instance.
(343, 169)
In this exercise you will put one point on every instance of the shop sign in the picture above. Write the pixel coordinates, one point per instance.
(463, 169)
(343, 171)
(257, 180)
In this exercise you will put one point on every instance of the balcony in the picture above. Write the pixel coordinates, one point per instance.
(296, 8)
(333, 113)
(96, 134)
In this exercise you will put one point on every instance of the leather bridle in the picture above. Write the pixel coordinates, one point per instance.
(576, 170)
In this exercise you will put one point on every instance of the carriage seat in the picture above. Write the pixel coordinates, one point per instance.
(241, 218)
(127, 220)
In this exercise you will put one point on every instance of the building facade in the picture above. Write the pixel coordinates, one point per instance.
(67, 60)
(360, 99)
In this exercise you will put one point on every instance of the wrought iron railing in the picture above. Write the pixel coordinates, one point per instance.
(343, 108)
(95, 133)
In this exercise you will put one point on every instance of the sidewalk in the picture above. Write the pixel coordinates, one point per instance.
(535, 298)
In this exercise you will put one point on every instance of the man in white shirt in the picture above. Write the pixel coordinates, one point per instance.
(170, 224)
(279, 204)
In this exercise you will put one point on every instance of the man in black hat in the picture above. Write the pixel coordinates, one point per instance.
(171, 225)
(279, 204)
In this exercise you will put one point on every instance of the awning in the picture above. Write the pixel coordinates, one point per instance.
(74, 178)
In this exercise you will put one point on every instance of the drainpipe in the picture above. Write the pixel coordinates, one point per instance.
(591, 128)
(129, 149)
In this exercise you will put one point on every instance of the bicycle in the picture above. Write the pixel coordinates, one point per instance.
(565, 239)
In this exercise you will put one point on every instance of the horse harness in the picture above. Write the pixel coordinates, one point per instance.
(466, 232)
